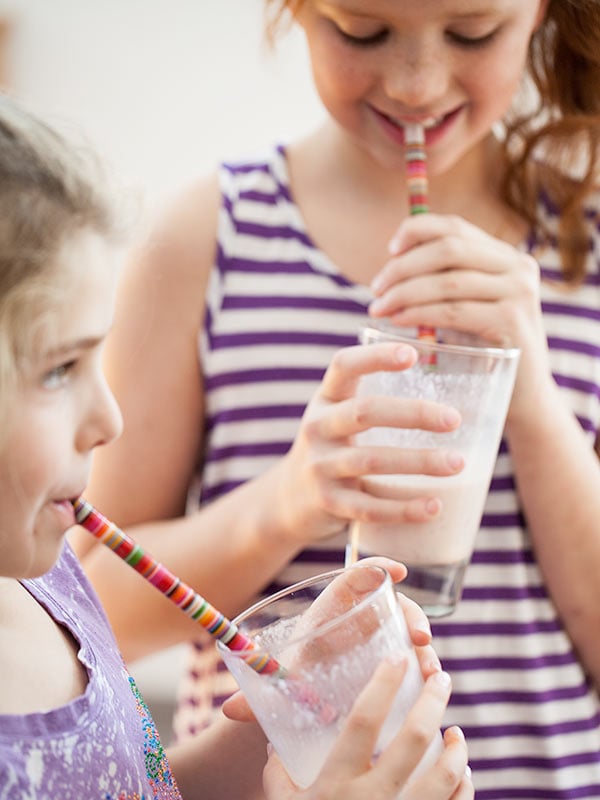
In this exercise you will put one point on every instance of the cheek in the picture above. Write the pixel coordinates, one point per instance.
(338, 77)
(493, 89)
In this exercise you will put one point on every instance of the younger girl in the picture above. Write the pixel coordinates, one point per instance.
(73, 725)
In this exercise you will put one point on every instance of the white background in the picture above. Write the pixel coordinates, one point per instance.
(163, 89)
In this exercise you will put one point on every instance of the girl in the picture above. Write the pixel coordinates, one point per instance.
(72, 722)
(274, 262)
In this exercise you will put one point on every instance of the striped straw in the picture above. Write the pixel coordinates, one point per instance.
(190, 602)
(184, 597)
(418, 189)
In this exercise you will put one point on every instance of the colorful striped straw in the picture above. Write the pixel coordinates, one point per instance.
(418, 187)
(190, 602)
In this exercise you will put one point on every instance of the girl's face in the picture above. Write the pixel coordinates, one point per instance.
(61, 411)
(453, 65)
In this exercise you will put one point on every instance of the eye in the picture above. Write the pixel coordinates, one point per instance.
(473, 41)
(372, 40)
(56, 377)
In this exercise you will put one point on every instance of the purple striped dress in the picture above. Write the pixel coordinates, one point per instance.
(277, 310)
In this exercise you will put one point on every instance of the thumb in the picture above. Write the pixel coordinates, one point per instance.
(236, 707)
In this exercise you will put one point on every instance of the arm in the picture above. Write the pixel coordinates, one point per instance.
(558, 477)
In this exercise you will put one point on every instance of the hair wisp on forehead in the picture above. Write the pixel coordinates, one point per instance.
(49, 191)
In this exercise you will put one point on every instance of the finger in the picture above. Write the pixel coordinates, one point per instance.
(349, 363)
(430, 286)
(276, 782)
(361, 413)
(448, 776)
(345, 592)
(464, 316)
(419, 730)
(420, 633)
(423, 229)
(466, 790)
(397, 571)
(355, 462)
(355, 504)
(236, 707)
(416, 621)
(353, 749)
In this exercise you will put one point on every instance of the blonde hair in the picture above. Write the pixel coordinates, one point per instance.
(563, 126)
(49, 192)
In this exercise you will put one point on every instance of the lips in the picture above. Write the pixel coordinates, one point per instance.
(66, 511)
(436, 126)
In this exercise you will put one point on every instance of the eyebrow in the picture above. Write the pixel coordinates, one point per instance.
(85, 343)
(358, 12)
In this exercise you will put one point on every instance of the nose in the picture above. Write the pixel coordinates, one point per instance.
(418, 74)
(102, 421)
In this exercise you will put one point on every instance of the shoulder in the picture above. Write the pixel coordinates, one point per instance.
(548, 208)
(68, 587)
(256, 176)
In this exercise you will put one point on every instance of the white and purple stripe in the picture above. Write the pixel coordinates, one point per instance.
(277, 311)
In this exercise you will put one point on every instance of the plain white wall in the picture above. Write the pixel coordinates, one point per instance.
(163, 89)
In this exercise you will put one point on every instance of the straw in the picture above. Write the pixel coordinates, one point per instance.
(189, 601)
(418, 187)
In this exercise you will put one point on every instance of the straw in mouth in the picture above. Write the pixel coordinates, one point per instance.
(418, 190)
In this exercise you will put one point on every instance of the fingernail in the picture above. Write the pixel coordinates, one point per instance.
(451, 417)
(442, 679)
(377, 284)
(403, 354)
(394, 245)
(432, 667)
(376, 306)
(432, 507)
(423, 627)
(455, 461)
(458, 732)
(468, 771)
(269, 748)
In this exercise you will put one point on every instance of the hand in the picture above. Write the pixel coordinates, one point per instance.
(349, 774)
(318, 483)
(447, 273)
(236, 707)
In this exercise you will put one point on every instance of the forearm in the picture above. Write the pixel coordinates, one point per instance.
(228, 552)
(558, 479)
(224, 762)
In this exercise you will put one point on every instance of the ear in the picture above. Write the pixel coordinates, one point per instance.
(541, 13)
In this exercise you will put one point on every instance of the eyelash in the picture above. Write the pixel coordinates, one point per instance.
(366, 41)
(473, 43)
(380, 37)
(56, 376)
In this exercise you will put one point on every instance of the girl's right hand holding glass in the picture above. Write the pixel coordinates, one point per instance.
(349, 773)
(319, 485)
